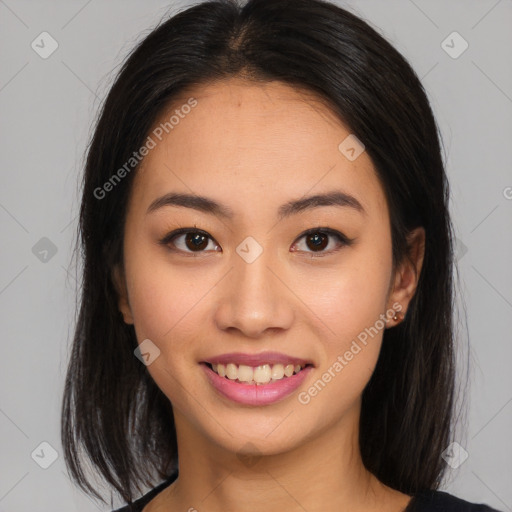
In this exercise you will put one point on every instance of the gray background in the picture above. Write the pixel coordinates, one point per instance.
(47, 107)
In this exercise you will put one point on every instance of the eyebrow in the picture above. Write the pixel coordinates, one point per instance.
(210, 206)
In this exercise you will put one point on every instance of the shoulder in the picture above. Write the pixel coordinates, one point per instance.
(440, 501)
(140, 503)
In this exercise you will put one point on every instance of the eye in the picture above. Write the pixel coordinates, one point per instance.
(317, 239)
(192, 240)
(188, 240)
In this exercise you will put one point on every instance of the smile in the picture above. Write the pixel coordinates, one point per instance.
(262, 374)
(255, 386)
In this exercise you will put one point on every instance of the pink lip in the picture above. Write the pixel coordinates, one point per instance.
(256, 394)
(257, 359)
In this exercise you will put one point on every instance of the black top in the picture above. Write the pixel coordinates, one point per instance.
(424, 501)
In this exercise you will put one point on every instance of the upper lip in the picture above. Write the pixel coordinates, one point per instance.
(239, 358)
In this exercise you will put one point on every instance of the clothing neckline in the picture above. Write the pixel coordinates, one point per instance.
(144, 500)
(416, 504)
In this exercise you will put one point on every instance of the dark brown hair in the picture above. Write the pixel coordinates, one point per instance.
(112, 412)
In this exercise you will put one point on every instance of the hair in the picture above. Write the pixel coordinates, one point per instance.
(112, 409)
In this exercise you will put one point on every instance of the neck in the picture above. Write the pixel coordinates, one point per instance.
(325, 472)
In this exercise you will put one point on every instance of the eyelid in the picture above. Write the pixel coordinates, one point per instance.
(327, 231)
(165, 241)
(342, 239)
(181, 231)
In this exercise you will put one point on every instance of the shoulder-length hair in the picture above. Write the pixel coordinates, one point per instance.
(112, 409)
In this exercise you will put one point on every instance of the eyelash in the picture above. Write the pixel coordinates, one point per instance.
(343, 240)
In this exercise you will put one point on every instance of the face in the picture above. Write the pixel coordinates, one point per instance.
(245, 277)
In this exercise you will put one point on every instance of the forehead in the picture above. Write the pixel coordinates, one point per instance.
(244, 140)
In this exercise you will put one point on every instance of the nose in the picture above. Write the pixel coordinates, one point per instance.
(254, 299)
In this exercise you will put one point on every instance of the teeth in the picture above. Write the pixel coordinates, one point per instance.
(262, 374)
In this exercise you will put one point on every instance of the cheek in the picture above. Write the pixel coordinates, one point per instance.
(351, 332)
(353, 293)
(157, 293)
(170, 303)
(348, 302)
(163, 304)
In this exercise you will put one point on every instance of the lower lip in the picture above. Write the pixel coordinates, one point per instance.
(256, 394)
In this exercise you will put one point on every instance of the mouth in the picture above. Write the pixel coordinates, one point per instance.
(257, 375)
(261, 385)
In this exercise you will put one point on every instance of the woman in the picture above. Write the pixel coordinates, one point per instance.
(267, 285)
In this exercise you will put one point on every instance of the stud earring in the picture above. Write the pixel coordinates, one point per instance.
(399, 316)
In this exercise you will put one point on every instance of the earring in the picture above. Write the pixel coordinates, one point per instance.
(399, 316)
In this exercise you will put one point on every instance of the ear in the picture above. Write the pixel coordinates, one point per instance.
(407, 275)
(119, 280)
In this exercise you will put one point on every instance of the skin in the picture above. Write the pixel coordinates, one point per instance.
(253, 147)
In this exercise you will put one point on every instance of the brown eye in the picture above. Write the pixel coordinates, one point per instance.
(196, 241)
(317, 239)
(188, 240)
